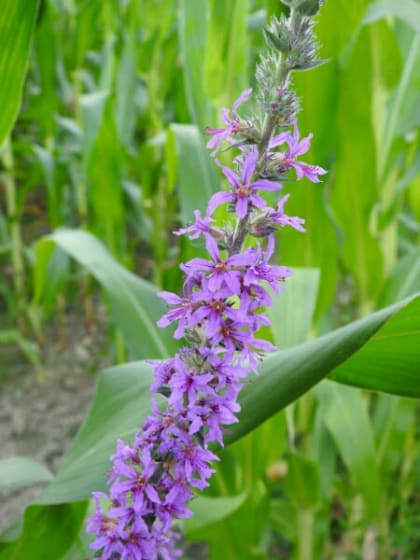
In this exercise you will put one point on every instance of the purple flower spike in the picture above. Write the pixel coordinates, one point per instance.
(219, 315)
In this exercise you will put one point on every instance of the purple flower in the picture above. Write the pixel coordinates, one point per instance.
(220, 272)
(279, 217)
(244, 190)
(297, 147)
(263, 271)
(202, 226)
(181, 313)
(233, 124)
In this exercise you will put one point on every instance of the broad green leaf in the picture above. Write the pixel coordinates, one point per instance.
(121, 402)
(211, 510)
(17, 22)
(47, 533)
(123, 399)
(18, 472)
(286, 375)
(391, 360)
(133, 301)
(292, 313)
(197, 177)
(344, 411)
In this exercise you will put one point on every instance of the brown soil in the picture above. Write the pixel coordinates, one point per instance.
(39, 417)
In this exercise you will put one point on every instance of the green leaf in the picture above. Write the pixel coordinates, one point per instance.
(211, 510)
(197, 178)
(192, 30)
(286, 375)
(390, 362)
(344, 411)
(105, 178)
(355, 191)
(48, 532)
(291, 314)
(227, 51)
(399, 100)
(403, 280)
(18, 472)
(29, 348)
(17, 22)
(123, 400)
(302, 483)
(408, 11)
(133, 301)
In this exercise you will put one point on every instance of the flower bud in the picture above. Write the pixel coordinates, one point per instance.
(308, 7)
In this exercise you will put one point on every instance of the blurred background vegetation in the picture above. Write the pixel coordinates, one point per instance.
(109, 145)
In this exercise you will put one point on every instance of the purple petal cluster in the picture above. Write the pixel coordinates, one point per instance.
(234, 124)
(296, 147)
(195, 393)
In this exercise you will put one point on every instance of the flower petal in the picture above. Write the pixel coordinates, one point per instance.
(248, 166)
(219, 198)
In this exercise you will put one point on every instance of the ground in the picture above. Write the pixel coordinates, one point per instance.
(39, 417)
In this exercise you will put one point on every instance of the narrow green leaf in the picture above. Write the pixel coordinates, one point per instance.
(192, 29)
(125, 106)
(133, 301)
(355, 190)
(17, 22)
(92, 108)
(403, 281)
(397, 106)
(344, 411)
(18, 472)
(303, 484)
(197, 178)
(104, 169)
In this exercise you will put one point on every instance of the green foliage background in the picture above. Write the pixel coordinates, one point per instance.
(108, 156)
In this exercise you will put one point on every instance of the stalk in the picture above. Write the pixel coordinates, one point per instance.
(305, 532)
(16, 249)
(270, 123)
